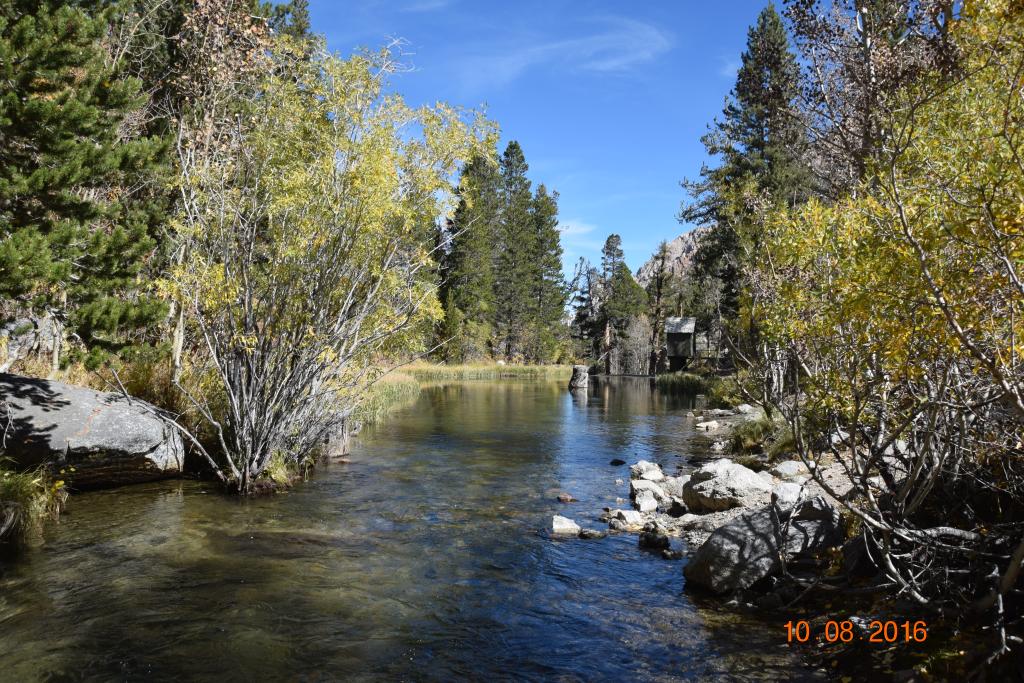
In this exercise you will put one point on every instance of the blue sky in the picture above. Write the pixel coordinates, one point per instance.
(607, 99)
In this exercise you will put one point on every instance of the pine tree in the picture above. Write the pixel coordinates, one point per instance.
(760, 142)
(624, 299)
(469, 278)
(516, 249)
(657, 295)
(548, 286)
(74, 237)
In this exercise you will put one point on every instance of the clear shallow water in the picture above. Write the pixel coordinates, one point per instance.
(426, 558)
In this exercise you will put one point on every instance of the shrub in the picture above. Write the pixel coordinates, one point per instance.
(26, 500)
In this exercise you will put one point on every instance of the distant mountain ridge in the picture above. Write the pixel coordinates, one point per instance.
(680, 256)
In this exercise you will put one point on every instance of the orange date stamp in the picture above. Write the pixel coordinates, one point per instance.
(846, 632)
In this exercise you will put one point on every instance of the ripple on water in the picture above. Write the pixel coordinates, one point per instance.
(427, 558)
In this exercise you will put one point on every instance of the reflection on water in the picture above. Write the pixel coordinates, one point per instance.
(427, 558)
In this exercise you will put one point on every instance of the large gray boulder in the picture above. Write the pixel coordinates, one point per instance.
(724, 484)
(98, 439)
(747, 549)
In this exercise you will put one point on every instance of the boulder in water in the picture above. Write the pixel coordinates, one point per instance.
(564, 526)
(98, 438)
(580, 377)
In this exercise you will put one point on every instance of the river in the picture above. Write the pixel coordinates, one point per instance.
(426, 558)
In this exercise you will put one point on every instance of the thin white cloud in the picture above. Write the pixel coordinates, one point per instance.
(626, 43)
(571, 228)
(426, 5)
(728, 66)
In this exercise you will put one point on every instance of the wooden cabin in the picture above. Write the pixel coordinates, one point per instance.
(680, 342)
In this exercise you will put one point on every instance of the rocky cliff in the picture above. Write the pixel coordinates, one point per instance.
(680, 256)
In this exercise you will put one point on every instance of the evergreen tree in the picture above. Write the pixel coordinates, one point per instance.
(470, 260)
(611, 256)
(624, 299)
(549, 291)
(74, 236)
(289, 18)
(657, 295)
(760, 142)
(515, 264)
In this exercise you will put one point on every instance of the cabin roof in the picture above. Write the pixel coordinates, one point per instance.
(680, 325)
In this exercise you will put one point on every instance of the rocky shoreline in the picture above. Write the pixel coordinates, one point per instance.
(739, 527)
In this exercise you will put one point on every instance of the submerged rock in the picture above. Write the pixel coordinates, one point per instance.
(746, 550)
(564, 526)
(566, 498)
(653, 536)
(617, 462)
(723, 484)
(106, 439)
(592, 533)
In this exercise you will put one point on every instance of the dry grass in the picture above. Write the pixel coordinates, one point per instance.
(428, 372)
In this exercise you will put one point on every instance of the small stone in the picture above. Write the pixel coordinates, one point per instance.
(592, 533)
(719, 446)
(630, 517)
(620, 501)
(672, 554)
(789, 469)
(619, 482)
(646, 470)
(618, 525)
(616, 462)
(645, 502)
(566, 498)
(564, 525)
(708, 426)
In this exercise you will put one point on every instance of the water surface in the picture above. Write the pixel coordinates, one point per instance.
(426, 558)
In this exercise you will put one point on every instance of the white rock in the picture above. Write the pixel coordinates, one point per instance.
(719, 446)
(787, 494)
(719, 412)
(789, 469)
(638, 485)
(708, 426)
(723, 484)
(745, 409)
(646, 470)
(645, 502)
(839, 437)
(630, 517)
(767, 476)
(673, 486)
(564, 525)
